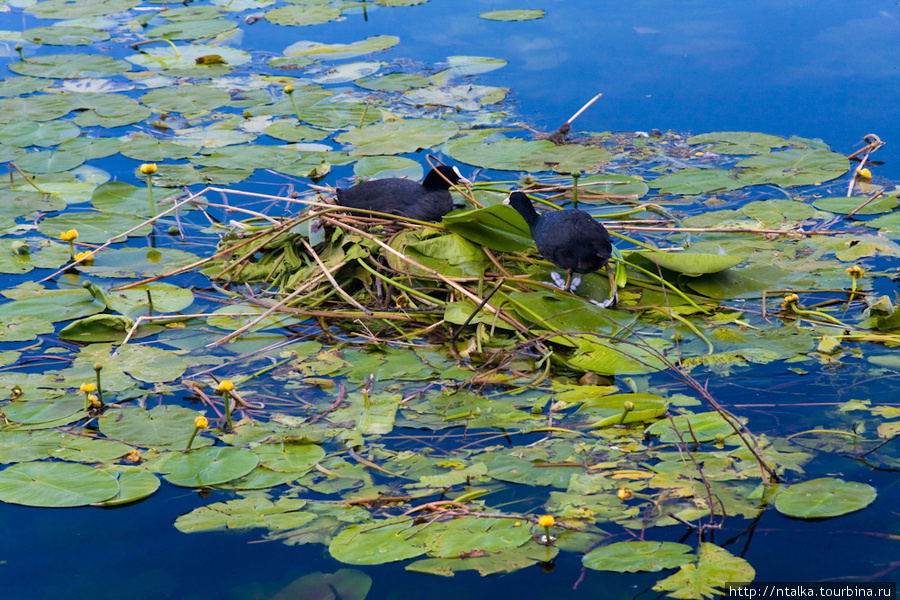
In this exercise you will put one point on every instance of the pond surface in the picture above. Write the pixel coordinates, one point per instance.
(819, 70)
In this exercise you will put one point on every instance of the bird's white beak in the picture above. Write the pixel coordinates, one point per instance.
(506, 201)
(462, 180)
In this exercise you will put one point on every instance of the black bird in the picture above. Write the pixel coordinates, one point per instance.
(428, 201)
(571, 239)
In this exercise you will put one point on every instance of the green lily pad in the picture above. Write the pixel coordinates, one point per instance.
(473, 65)
(696, 181)
(459, 97)
(513, 154)
(498, 227)
(165, 297)
(53, 305)
(59, 35)
(844, 205)
(28, 133)
(20, 86)
(135, 483)
(380, 167)
(792, 168)
(26, 446)
(507, 560)
(296, 15)
(191, 30)
(75, 9)
(138, 262)
(206, 466)
(152, 149)
(70, 66)
(23, 328)
(289, 458)
(646, 407)
(612, 184)
(121, 197)
(692, 264)
(378, 542)
(55, 484)
(49, 161)
(738, 142)
(186, 99)
(703, 427)
(97, 328)
(394, 82)
(246, 513)
(93, 227)
(614, 358)
(165, 57)
(341, 51)
(823, 498)
(630, 557)
(520, 14)
(88, 450)
(398, 137)
(163, 426)
(709, 577)
(45, 410)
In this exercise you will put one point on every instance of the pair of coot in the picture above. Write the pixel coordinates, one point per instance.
(426, 201)
(571, 239)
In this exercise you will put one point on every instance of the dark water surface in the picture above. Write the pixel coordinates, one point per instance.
(813, 68)
(823, 69)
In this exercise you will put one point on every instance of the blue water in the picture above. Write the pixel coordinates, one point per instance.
(823, 69)
(817, 69)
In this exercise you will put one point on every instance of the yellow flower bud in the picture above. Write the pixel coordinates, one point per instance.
(201, 422)
(148, 168)
(624, 494)
(288, 89)
(87, 388)
(864, 174)
(225, 386)
(95, 402)
(68, 236)
(546, 521)
(789, 300)
(133, 456)
(855, 271)
(85, 256)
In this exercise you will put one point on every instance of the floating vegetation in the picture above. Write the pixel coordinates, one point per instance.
(383, 382)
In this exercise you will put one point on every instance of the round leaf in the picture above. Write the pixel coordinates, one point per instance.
(823, 498)
(845, 205)
(692, 264)
(629, 557)
(520, 14)
(55, 484)
(206, 466)
(378, 542)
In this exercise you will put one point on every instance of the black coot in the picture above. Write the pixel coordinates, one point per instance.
(571, 239)
(426, 201)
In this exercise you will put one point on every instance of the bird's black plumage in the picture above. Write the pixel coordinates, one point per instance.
(571, 239)
(426, 201)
